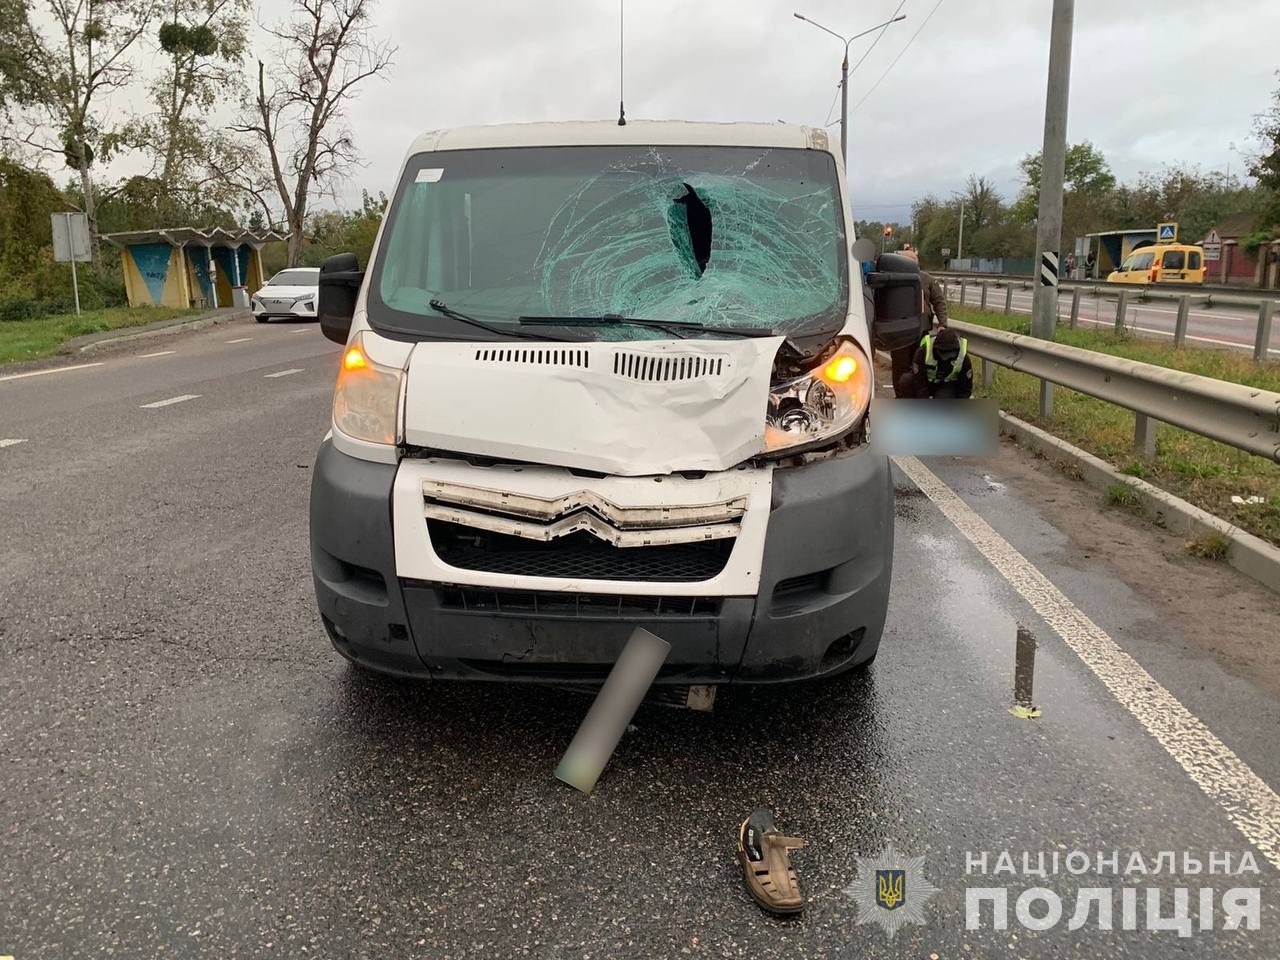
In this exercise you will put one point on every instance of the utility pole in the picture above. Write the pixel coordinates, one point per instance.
(960, 242)
(1044, 308)
(844, 75)
(844, 109)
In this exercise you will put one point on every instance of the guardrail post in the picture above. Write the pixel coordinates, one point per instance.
(962, 286)
(988, 372)
(1046, 398)
(982, 300)
(1122, 310)
(1075, 307)
(1263, 341)
(1180, 325)
(1008, 299)
(1144, 436)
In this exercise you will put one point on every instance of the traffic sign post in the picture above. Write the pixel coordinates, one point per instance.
(1167, 233)
(71, 243)
(1213, 246)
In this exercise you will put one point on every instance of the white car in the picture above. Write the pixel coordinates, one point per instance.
(290, 294)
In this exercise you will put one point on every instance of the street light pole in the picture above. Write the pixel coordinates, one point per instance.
(844, 75)
(960, 241)
(1044, 308)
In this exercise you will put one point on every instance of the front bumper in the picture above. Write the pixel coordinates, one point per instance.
(819, 585)
(271, 311)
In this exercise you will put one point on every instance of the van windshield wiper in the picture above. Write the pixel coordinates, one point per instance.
(667, 326)
(442, 308)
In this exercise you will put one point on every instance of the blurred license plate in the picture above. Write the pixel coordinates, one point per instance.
(933, 428)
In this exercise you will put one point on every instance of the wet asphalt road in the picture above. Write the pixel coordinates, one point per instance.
(190, 770)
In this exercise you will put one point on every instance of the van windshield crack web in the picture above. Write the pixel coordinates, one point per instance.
(649, 241)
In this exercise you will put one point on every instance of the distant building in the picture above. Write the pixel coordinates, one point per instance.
(1232, 264)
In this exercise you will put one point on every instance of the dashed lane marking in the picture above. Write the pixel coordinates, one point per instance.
(283, 373)
(240, 340)
(41, 373)
(158, 353)
(303, 330)
(11, 443)
(1248, 801)
(165, 403)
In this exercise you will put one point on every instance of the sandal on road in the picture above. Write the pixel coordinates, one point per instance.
(762, 851)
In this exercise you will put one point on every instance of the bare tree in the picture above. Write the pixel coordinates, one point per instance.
(296, 111)
(85, 59)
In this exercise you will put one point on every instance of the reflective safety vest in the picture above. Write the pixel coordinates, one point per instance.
(931, 362)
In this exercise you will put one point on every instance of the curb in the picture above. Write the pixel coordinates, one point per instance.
(91, 341)
(1251, 555)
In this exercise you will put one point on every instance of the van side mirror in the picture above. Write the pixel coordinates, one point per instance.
(899, 302)
(340, 280)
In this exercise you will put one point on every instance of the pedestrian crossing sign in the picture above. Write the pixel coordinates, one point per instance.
(1167, 233)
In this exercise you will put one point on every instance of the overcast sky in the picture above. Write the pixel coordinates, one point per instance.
(1174, 81)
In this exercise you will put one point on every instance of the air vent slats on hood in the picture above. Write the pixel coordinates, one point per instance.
(641, 366)
(544, 357)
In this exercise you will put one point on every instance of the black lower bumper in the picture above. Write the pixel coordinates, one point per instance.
(821, 606)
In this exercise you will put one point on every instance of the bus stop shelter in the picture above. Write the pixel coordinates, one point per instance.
(186, 267)
(1114, 245)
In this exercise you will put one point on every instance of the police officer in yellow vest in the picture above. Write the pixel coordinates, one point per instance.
(941, 369)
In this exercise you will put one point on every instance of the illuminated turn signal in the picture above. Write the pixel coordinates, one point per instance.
(840, 370)
(354, 359)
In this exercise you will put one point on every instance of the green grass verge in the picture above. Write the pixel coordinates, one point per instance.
(1201, 471)
(31, 339)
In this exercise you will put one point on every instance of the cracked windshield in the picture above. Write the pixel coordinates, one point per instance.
(722, 237)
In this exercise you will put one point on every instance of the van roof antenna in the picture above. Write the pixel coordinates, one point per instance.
(622, 114)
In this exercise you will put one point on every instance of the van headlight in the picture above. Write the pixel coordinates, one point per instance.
(366, 402)
(820, 405)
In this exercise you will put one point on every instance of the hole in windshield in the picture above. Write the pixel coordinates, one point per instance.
(690, 220)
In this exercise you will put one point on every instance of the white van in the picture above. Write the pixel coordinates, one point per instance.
(600, 376)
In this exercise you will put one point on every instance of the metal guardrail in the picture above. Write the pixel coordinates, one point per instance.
(1265, 305)
(1209, 291)
(1247, 418)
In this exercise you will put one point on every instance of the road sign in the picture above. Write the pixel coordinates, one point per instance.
(946, 251)
(1213, 246)
(70, 237)
(1167, 233)
(71, 243)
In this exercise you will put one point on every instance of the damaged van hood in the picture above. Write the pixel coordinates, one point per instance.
(628, 409)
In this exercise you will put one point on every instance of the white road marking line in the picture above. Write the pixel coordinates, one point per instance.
(159, 353)
(41, 373)
(11, 443)
(1248, 801)
(165, 403)
(283, 373)
(298, 331)
(240, 340)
